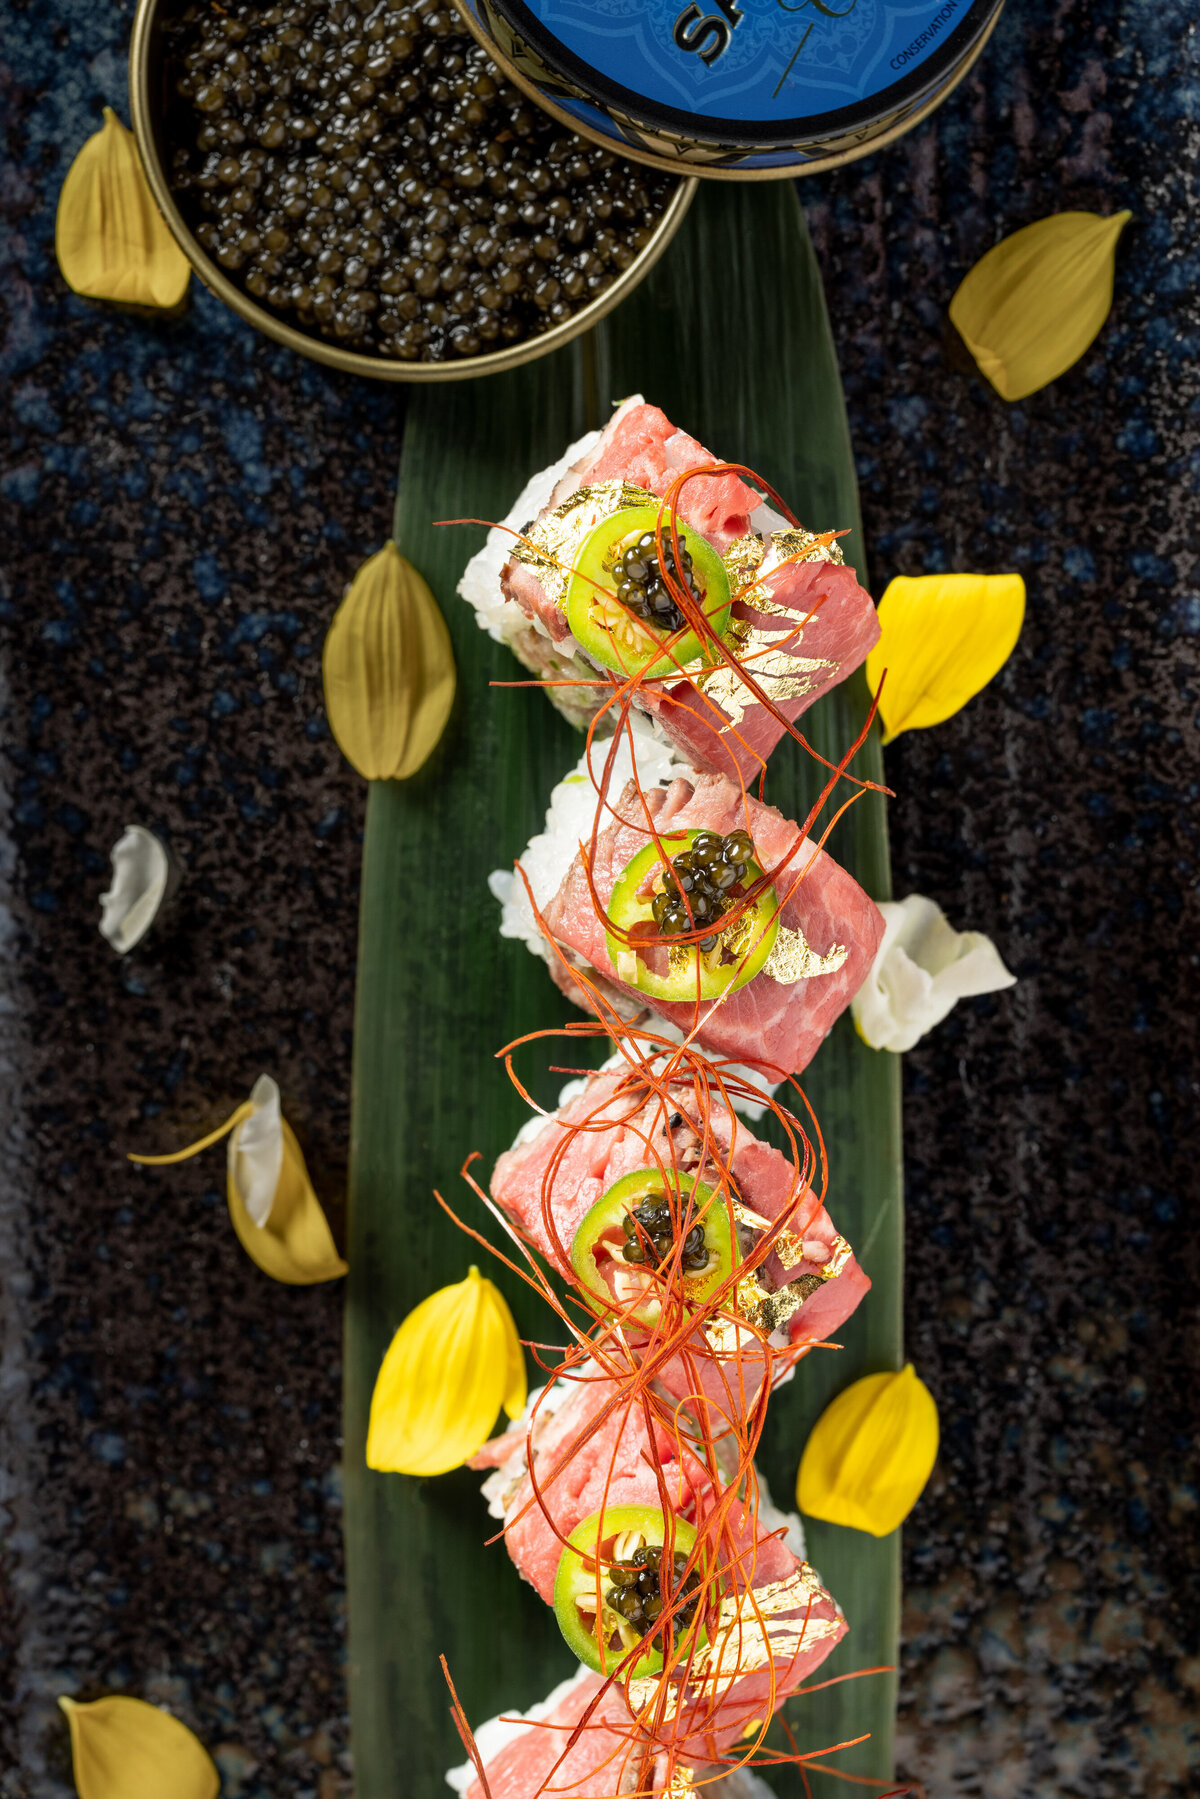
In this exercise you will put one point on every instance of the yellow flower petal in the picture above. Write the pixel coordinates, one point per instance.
(111, 241)
(942, 638)
(282, 1228)
(516, 1384)
(295, 1244)
(125, 1749)
(1029, 309)
(388, 669)
(453, 1363)
(870, 1453)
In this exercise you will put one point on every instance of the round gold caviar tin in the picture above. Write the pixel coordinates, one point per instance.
(740, 89)
(149, 100)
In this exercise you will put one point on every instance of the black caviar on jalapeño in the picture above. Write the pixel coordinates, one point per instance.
(622, 1569)
(705, 877)
(641, 1241)
(622, 597)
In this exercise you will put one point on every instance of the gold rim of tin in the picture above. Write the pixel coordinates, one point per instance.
(704, 172)
(378, 368)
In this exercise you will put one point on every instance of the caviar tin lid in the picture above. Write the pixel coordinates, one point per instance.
(737, 87)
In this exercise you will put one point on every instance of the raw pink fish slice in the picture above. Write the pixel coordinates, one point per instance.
(792, 1613)
(615, 1126)
(544, 1761)
(642, 446)
(831, 629)
(767, 1023)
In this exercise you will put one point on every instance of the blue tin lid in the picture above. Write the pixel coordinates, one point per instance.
(752, 71)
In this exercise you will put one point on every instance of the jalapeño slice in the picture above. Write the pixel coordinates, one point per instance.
(646, 902)
(619, 606)
(630, 1234)
(628, 1561)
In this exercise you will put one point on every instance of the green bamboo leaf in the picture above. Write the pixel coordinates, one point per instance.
(730, 336)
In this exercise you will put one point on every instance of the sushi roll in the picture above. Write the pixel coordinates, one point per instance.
(586, 1185)
(764, 987)
(766, 1622)
(586, 592)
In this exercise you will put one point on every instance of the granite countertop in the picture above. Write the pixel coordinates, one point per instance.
(183, 504)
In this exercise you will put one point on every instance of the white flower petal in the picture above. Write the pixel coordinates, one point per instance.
(922, 967)
(141, 870)
(256, 1151)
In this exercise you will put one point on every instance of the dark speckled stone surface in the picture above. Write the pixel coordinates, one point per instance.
(183, 504)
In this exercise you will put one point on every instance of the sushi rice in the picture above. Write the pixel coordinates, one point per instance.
(480, 587)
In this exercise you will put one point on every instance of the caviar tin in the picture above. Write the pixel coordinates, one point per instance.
(742, 89)
(150, 100)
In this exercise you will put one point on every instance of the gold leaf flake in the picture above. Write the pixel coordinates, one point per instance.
(752, 555)
(725, 1336)
(753, 1306)
(781, 675)
(743, 559)
(793, 959)
(790, 1249)
(774, 1309)
(753, 1628)
(840, 1253)
(552, 543)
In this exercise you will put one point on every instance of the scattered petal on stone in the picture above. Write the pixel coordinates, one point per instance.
(922, 967)
(1030, 308)
(140, 871)
(111, 240)
(942, 639)
(283, 1228)
(870, 1453)
(272, 1204)
(453, 1363)
(122, 1748)
(388, 669)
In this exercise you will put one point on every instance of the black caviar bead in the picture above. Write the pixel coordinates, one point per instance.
(707, 873)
